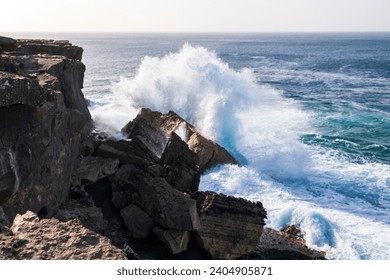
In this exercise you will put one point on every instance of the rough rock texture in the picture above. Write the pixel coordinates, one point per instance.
(90, 169)
(175, 241)
(209, 153)
(138, 223)
(288, 244)
(46, 239)
(43, 121)
(230, 227)
(170, 208)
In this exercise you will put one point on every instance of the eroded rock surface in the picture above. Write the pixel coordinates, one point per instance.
(49, 239)
(43, 121)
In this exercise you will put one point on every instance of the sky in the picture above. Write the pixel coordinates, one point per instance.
(195, 16)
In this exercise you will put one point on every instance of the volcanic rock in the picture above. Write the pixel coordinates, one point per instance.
(175, 241)
(49, 239)
(43, 121)
(168, 207)
(138, 223)
(90, 169)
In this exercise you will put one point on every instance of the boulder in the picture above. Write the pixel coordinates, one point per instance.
(50, 239)
(127, 152)
(209, 153)
(230, 227)
(125, 185)
(168, 207)
(90, 169)
(174, 241)
(138, 223)
(160, 126)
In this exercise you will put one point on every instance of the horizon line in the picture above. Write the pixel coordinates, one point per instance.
(187, 32)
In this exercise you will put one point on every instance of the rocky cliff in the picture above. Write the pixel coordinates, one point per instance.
(81, 195)
(43, 121)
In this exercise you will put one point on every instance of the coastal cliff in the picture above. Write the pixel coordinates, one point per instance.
(134, 198)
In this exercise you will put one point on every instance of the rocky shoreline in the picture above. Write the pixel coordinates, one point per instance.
(68, 192)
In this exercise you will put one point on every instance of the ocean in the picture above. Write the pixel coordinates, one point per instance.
(307, 115)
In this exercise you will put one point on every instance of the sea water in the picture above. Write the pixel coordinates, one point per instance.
(307, 115)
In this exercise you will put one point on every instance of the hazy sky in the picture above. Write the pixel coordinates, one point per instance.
(194, 15)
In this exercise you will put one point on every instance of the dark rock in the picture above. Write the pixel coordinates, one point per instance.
(181, 165)
(127, 153)
(231, 227)
(3, 218)
(168, 207)
(90, 169)
(138, 223)
(51, 47)
(49, 239)
(149, 139)
(209, 153)
(125, 185)
(43, 122)
(175, 241)
(7, 44)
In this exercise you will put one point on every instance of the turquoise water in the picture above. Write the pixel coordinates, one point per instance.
(308, 115)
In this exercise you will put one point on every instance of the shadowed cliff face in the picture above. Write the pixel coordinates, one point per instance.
(43, 121)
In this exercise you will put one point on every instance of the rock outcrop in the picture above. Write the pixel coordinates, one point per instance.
(43, 122)
(230, 227)
(288, 244)
(49, 239)
(209, 153)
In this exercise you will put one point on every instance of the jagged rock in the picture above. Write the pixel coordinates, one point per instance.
(90, 169)
(125, 185)
(43, 121)
(175, 241)
(138, 223)
(287, 244)
(181, 165)
(231, 227)
(49, 239)
(126, 151)
(7, 44)
(209, 153)
(168, 207)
